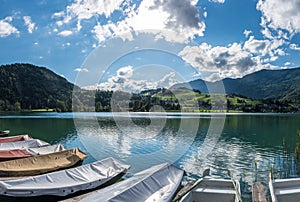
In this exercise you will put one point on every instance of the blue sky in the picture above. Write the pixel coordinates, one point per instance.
(142, 44)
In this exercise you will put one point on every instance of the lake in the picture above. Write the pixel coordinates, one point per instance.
(246, 144)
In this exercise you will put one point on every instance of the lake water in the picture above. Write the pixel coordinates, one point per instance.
(247, 144)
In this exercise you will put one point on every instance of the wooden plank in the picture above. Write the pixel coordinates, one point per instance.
(258, 192)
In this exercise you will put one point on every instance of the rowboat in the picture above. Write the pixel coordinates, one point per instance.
(21, 153)
(23, 144)
(209, 189)
(158, 183)
(36, 165)
(65, 182)
(285, 190)
(15, 138)
(4, 133)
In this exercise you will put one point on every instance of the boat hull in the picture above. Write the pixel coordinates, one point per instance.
(65, 182)
(36, 165)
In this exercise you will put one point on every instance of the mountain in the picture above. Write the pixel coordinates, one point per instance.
(27, 86)
(265, 84)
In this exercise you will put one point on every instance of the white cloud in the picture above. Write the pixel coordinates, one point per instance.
(81, 70)
(294, 47)
(123, 80)
(58, 14)
(150, 16)
(157, 17)
(233, 61)
(218, 1)
(280, 17)
(86, 9)
(6, 28)
(65, 33)
(264, 47)
(287, 64)
(29, 24)
(247, 33)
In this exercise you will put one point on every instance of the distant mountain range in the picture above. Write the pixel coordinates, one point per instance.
(283, 85)
(26, 86)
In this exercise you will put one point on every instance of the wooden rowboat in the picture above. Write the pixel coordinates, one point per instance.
(65, 182)
(158, 183)
(41, 164)
(15, 138)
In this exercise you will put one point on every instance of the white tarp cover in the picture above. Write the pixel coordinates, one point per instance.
(65, 182)
(23, 144)
(158, 183)
(45, 149)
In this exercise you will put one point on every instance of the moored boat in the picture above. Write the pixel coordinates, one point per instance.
(15, 138)
(284, 190)
(65, 182)
(23, 144)
(4, 133)
(35, 165)
(158, 183)
(208, 189)
(22, 153)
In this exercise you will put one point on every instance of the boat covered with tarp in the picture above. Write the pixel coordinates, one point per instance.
(65, 182)
(22, 153)
(15, 138)
(158, 183)
(23, 144)
(40, 164)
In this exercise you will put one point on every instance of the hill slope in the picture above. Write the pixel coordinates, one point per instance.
(264, 84)
(32, 87)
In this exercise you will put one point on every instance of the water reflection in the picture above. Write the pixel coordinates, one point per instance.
(248, 145)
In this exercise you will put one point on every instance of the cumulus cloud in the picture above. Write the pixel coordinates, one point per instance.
(181, 13)
(218, 1)
(81, 70)
(6, 28)
(65, 33)
(264, 47)
(247, 33)
(294, 47)
(86, 9)
(154, 16)
(29, 24)
(124, 81)
(281, 18)
(232, 61)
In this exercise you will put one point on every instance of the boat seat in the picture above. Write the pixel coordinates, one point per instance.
(290, 190)
(203, 194)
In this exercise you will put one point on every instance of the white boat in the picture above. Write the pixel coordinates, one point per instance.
(15, 138)
(4, 133)
(158, 183)
(210, 189)
(285, 190)
(65, 182)
(22, 153)
(23, 144)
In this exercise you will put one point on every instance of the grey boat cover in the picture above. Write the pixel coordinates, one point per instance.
(158, 183)
(23, 144)
(45, 149)
(65, 182)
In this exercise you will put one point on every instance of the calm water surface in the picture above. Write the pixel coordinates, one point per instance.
(247, 144)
